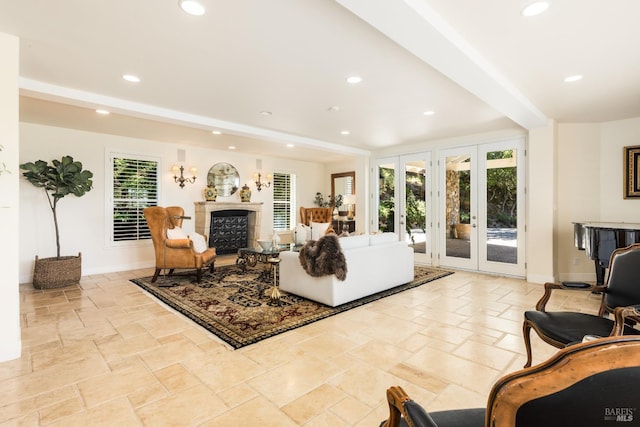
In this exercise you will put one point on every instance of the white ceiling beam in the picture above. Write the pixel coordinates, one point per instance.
(418, 28)
(49, 92)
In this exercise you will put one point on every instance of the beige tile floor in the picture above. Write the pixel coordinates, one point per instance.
(106, 353)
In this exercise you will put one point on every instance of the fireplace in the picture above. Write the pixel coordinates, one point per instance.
(228, 231)
(249, 211)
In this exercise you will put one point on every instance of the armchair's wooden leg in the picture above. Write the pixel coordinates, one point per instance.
(198, 275)
(211, 267)
(395, 396)
(170, 272)
(155, 275)
(526, 333)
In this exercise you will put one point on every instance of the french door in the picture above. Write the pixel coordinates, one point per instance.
(481, 208)
(403, 195)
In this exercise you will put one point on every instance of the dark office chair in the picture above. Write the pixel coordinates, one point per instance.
(621, 289)
(588, 384)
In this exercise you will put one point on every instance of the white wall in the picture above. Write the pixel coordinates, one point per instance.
(579, 194)
(590, 186)
(10, 341)
(541, 204)
(82, 220)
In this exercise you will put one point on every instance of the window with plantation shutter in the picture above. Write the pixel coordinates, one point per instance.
(284, 201)
(135, 186)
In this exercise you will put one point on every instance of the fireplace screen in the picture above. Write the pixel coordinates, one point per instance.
(229, 231)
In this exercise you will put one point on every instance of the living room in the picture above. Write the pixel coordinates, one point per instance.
(574, 173)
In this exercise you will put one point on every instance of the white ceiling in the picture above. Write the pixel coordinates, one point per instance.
(480, 66)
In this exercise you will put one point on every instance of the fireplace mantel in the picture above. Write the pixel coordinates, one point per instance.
(203, 217)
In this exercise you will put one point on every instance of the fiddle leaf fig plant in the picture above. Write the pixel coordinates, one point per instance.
(58, 179)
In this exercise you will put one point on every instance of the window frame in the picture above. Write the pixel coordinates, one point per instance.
(292, 202)
(109, 192)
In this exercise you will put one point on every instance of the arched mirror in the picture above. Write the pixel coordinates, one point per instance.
(344, 184)
(225, 178)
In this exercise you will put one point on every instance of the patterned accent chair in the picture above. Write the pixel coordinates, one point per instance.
(174, 253)
(588, 384)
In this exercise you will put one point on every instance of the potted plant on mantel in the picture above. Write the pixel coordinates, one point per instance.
(58, 179)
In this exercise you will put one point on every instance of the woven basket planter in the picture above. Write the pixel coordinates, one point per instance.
(50, 273)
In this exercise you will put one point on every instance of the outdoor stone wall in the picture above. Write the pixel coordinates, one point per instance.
(453, 198)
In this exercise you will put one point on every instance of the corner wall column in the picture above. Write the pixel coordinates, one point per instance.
(10, 341)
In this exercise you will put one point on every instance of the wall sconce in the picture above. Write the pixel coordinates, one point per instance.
(259, 184)
(181, 179)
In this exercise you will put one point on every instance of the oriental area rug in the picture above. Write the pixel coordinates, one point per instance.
(236, 306)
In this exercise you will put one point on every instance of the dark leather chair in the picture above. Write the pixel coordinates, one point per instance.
(588, 384)
(621, 289)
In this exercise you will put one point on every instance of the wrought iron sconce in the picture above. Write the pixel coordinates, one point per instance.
(259, 183)
(181, 179)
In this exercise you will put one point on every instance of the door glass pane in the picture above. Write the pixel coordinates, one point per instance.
(458, 231)
(416, 205)
(502, 215)
(386, 190)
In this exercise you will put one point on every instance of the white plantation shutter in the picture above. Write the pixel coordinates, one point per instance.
(348, 185)
(135, 186)
(284, 201)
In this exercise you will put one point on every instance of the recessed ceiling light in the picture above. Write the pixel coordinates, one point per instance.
(535, 8)
(216, 132)
(345, 132)
(103, 112)
(266, 113)
(429, 113)
(192, 7)
(232, 147)
(572, 79)
(354, 79)
(290, 145)
(131, 78)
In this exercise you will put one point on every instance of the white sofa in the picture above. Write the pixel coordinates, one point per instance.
(374, 263)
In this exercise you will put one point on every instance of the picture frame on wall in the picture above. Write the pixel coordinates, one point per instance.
(631, 172)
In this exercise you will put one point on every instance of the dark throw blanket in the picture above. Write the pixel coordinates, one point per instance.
(323, 257)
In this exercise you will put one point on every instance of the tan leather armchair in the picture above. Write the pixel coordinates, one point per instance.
(174, 253)
(317, 215)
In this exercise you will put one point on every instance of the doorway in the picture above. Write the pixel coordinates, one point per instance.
(476, 221)
(404, 205)
(482, 213)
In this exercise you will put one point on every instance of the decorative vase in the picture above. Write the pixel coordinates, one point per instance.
(210, 193)
(275, 239)
(245, 194)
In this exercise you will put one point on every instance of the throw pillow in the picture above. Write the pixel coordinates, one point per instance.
(302, 234)
(199, 244)
(318, 229)
(176, 233)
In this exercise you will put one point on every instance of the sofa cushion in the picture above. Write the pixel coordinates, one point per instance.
(302, 234)
(383, 238)
(351, 242)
